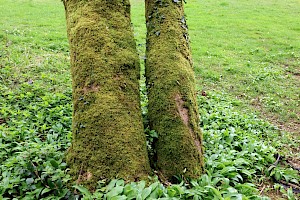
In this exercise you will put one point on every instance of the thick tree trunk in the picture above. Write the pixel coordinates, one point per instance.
(172, 101)
(108, 139)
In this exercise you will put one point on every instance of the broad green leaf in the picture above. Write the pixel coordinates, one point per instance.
(278, 175)
(141, 185)
(62, 193)
(29, 181)
(171, 192)
(83, 190)
(111, 184)
(146, 192)
(120, 183)
(45, 190)
(123, 197)
(153, 186)
(114, 192)
(215, 191)
(154, 194)
(54, 163)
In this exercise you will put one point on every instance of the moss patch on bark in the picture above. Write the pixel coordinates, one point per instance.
(172, 100)
(108, 139)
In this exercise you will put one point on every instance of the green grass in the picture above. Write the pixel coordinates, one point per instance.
(250, 50)
(34, 44)
(246, 57)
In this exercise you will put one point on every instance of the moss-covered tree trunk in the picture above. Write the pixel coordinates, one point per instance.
(172, 101)
(108, 139)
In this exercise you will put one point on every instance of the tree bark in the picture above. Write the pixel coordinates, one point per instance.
(108, 139)
(173, 110)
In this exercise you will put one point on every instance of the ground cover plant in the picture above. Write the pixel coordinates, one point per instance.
(245, 157)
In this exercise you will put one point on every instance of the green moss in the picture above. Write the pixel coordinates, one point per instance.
(172, 102)
(108, 139)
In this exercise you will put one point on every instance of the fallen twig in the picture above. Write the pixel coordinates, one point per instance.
(261, 191)
(295, 188)
(292, 165)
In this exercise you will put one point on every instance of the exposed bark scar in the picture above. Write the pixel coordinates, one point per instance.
(87, 176)
(90, 88)
(83, 177)
(184, 114)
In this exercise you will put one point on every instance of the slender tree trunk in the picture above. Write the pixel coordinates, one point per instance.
(108, 139)
(172, 101)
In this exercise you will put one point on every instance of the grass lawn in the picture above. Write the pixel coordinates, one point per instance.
(250, 50)
(246, 57)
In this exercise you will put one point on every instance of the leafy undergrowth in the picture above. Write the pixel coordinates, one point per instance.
(35, 132)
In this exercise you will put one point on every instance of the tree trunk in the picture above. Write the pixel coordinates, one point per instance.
(108, 139)
(172, 101)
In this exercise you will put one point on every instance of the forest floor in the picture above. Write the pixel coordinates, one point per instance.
(247, 61)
